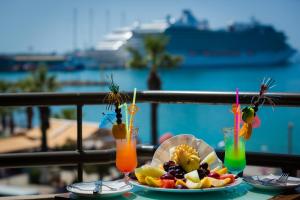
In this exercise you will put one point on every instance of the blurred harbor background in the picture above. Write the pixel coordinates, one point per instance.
(204, 121)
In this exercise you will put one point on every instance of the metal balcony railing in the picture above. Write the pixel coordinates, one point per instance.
(289, 163)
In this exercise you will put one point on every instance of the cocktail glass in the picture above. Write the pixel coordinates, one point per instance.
(126, 158)
(235, 157)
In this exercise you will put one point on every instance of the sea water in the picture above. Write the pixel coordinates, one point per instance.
(204, 121)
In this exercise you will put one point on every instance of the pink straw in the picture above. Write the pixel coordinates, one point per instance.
(237, 120)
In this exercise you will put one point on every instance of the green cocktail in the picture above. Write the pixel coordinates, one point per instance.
(235, 158)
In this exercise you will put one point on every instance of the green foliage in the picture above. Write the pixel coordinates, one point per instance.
(113, 87)
(155, 47)
(169, 61)
(137, 61)
(4, 86)
(39, 81)
(67, 113)
(35, 175)
(7, 87)
(156, 55)
(26, 85)
(68, 146)
(43, 82)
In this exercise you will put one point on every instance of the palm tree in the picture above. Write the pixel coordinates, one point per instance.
(7, 115)
(4, 86)
(137, 60)
(41, 81)
(27, 85)
(156, 56)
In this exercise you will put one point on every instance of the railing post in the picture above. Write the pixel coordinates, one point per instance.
(154, 83)
(79, 142)
(154, 137)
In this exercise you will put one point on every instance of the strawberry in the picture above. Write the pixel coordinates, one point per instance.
(168, 183)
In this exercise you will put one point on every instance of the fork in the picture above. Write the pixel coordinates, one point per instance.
(283, 178)
(103, 185)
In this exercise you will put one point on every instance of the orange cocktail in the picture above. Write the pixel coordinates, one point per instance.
(126, 160)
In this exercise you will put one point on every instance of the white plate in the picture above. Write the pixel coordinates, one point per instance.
(145, 187)
(162, 153)
(292, 182)
(86, 188)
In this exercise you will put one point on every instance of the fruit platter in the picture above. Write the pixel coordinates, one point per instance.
(184, 164)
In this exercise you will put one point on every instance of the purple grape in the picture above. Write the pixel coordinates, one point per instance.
(207, 172)
(167, 176)
(201, 173)
(204, 165)
(179, 176)
(173, 167)
(179, 167)
(172, 172)
(168, 164)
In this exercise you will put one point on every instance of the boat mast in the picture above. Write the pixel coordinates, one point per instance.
(91, 24)
(75, 13)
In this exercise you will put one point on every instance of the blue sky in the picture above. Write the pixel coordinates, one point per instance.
(46, 25)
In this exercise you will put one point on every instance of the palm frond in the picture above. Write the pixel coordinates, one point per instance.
(137, 60)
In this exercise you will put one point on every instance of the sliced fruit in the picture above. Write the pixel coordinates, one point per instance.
(219, 182)
(167, 176)
(214, 175)
(231, 176)
(205, 183)
(167, 183)
(154, 182)
(192, 176)
(148, 170)
(193, 185)
(186, 156)
(161, 166)
(210, 158)
(180, 182)
(227, 180)
(189, 162)
(119, 131)
(140, 176)
(222, 171)
(216, 169)
(176, 151)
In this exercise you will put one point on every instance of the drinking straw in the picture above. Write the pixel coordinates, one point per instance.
(236, 120)
(126, 116)
(126, 119)
(132, 112)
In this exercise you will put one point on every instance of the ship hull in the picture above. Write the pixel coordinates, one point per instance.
(243, 59)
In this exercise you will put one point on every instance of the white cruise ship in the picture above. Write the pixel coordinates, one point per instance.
(235, 45)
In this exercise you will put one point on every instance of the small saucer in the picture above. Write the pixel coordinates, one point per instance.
(86, 188)
(267, 182)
